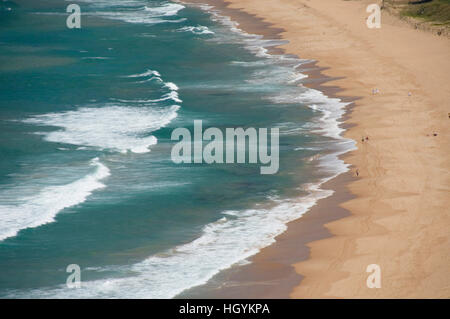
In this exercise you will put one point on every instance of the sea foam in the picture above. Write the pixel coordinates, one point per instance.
(110, 127)
(228, 241)
(133, 11)
(40, 209)
(200, 29)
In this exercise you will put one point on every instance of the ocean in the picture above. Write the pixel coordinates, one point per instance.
(86, 175)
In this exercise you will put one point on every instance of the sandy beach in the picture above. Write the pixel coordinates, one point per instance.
(398, 204)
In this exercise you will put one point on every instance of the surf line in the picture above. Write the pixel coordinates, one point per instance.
(224, 143)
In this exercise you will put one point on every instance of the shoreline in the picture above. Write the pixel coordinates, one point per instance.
(273, 266)
(403, 168)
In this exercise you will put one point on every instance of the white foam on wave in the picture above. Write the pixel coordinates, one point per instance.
(134, 11)
(148, 73)
(151, 75)
(112, 3)
(253, 42)
(332, 109)
(131, 17)
(281, 67)
(40, 209)
(172, 86)
(200, 29)
(276, 75)
(167, 9)
(226, 242)
(172, 95)
(112, 127)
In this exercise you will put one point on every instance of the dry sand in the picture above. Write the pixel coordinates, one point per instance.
(400, 216)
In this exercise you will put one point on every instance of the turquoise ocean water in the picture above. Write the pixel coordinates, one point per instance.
(86, 176)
